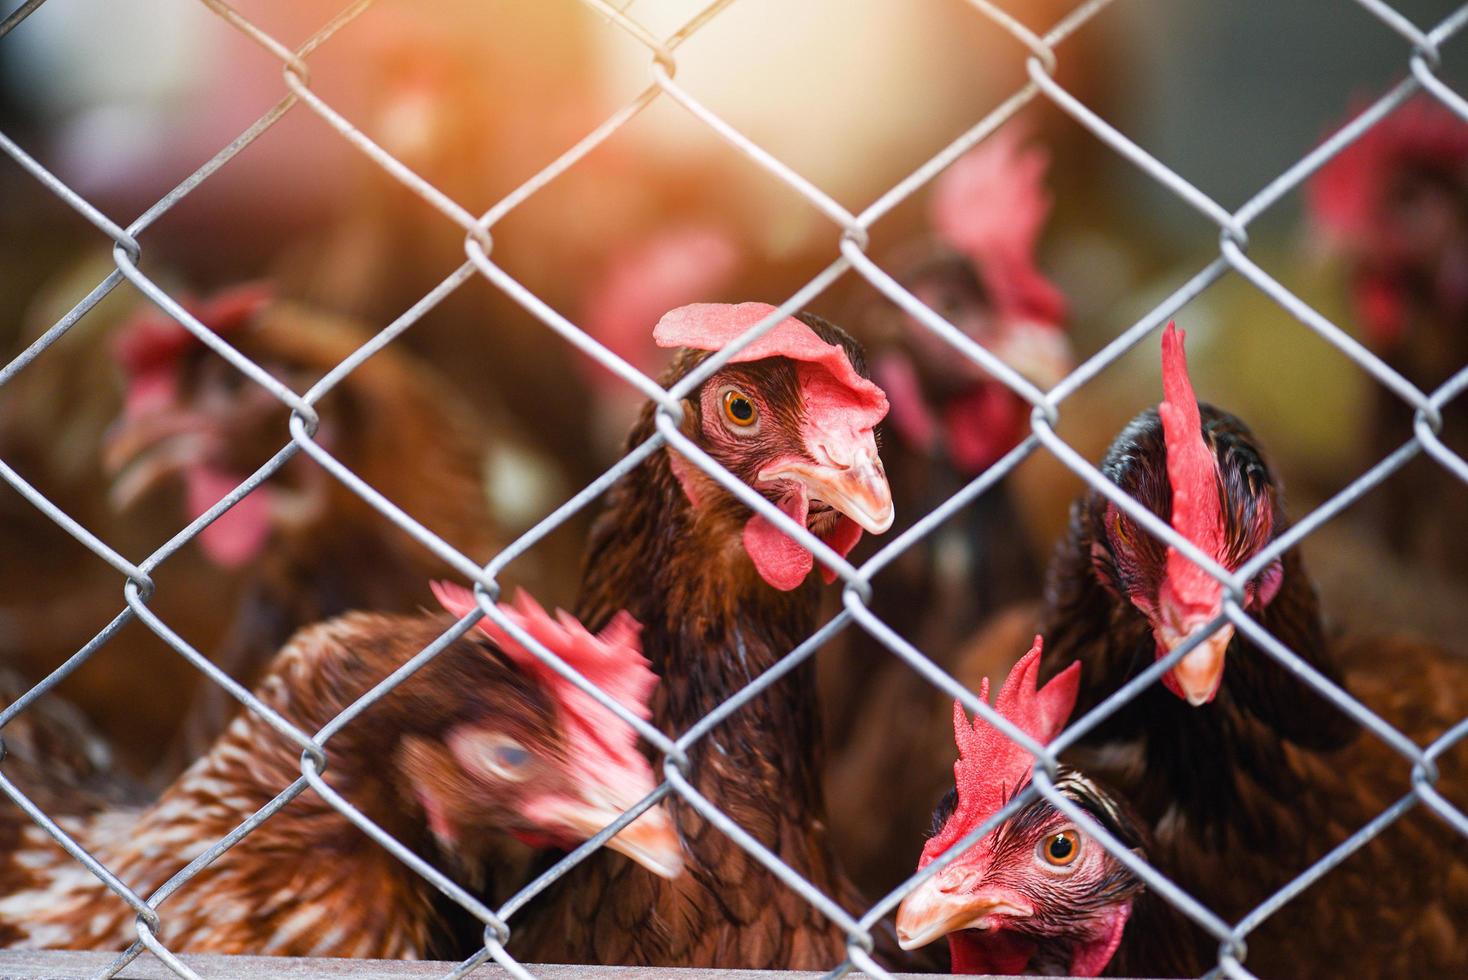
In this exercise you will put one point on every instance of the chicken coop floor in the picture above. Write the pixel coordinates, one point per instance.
(57, 965)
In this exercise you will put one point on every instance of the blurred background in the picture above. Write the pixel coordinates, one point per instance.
(124, 101)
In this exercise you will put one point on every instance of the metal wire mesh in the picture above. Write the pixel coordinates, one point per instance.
(849, 256)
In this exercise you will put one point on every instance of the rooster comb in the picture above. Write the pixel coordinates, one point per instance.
(991, 205)
(1192, 472)
(611, 659)
(991, 766)
(151, 338)
(712, 326)
(1347, 194)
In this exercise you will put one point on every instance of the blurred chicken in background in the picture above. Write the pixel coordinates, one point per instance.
(55, 594)
(309, 547)
(951, 419)
(1394, 207)
(950, 422)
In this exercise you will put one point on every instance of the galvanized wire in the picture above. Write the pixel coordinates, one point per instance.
(1043, 52)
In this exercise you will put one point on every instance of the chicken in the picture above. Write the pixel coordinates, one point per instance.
(723, 595)
(482, 746)
(1394, 204)
(55, 594)
(56, 756)
(1038, 894)
(1247, 774)
(987, 212)
(308, 547)
(950, 421)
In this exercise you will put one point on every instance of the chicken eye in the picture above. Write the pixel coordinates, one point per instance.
(506, 758)
(1060, 850)
(739, 409)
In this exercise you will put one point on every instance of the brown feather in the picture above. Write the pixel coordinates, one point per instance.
(306, 882)
(1246, 792)
(710, 626)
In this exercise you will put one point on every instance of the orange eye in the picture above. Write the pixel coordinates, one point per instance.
(1060, 850)
(738, 408)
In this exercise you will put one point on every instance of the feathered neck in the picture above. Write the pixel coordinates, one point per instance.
(314, 678)
(710, 626)
(682, 570)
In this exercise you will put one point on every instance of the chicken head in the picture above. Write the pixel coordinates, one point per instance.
(190, 416)
(793, 415)
(551, 772)
(1037, 894)
(1219, 495)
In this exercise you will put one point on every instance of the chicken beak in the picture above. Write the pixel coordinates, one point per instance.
(1200, 672)
(141, 451)
(931, 912)
(858, 490)
(651, 840)
(1037, 350)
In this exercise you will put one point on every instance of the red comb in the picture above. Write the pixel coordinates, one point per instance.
(1347, 193)
(1192, 469)
(841, 409)
(991, 205)
(152, 339)
(710, 326)
(991, 766)
(611, 659)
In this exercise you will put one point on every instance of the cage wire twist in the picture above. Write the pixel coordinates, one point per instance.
(1423, 61)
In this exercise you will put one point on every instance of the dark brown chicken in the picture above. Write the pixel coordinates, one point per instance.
(1394, 205)
(483, 745)
(1038, 894)
(723, 595)
(308, 547)
(1246, 774)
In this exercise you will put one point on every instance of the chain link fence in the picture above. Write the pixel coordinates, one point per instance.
(849, 256)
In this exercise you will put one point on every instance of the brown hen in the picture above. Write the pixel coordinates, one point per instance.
(479, 747)
(1394, 205)
(722, 596)
(1038, 894)
(306, 546)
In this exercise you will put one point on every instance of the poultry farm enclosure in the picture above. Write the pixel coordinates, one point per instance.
(1422, 55)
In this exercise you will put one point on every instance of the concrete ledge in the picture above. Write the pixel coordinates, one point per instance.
(66, 965)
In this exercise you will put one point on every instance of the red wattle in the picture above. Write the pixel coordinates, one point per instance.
(1382, 307)
(779, 559)
(982, 425)
(239, 534)
(841, 540)
(994, 952)
(150, 391)
(1091, 957)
